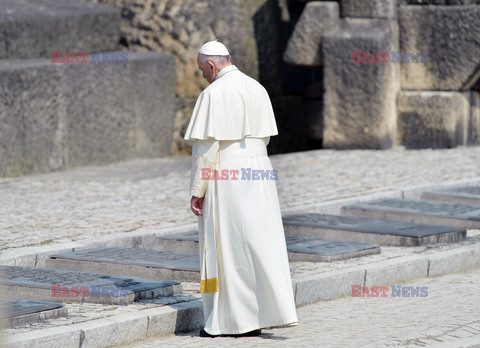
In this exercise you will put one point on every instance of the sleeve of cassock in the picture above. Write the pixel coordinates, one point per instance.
(204, 154)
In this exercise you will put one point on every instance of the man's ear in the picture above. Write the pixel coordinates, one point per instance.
(211, 65)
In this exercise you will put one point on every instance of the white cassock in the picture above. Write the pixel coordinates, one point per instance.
(245, 275)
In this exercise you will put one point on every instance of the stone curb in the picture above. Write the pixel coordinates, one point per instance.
(116, 330)
(338, 283)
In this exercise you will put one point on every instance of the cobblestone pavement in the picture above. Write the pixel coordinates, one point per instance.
(450, 313)
(150, 194)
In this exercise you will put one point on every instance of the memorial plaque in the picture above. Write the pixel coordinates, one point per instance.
(448, 214)
(459, 195)
(66, 286)
(299, 248)
(15, 312)
(356, 229)
(129, 261)
(312, 249)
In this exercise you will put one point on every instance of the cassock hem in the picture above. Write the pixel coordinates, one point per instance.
(274, 325)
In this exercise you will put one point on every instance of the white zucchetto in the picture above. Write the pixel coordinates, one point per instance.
(214, 48)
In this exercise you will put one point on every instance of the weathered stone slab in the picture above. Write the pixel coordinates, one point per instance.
(34, 28)
(433, 119)
(15, 312)
(62, 286)
(455, 215)
(57, 116)
(451, 36)
(312, 249)
(129, 261)
(460, 195)
(304, 46)
(300, 248)
(360, 111)
(369, 9)
(383, 232)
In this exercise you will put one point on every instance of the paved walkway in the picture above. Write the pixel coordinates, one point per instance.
(449, 316)
(55, 208)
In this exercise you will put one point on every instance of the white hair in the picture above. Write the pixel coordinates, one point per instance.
(218, 60)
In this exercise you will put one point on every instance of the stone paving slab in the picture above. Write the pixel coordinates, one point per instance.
(15, 312)
(300, 248)
(130, 261)
(460, 195)
(383, 232)
(65, 286)
(455, 215)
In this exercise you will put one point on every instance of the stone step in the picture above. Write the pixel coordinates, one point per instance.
(460, 195)
(16, 312)
(383, 232)
(129, 261)
(34, 28)
(57, 116)
(455, 215)
(41, 284)
(300, 248)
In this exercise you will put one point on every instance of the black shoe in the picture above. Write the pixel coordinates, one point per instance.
(253, 333)
(204, 333)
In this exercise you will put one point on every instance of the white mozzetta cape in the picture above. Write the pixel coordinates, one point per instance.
(233, 107)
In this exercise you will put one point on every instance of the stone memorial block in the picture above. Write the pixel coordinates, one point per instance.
(312, 249)
(450, 35)
(129, 261)
(383, 232)
(369, 9)
(474, 122)
(304, 46)
(16, 312)
(360, 91)
(433, 119)
(34, 28)
(455, 215)
(65, 286)
(300, 248)
(460, 195)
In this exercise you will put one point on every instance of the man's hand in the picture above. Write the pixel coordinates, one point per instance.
(196, 205)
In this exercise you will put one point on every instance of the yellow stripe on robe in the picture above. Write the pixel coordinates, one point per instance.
(209, 285)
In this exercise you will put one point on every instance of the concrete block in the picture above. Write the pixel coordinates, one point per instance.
(453, 261)
(153, 76)
(304, 46)
(395, 270)
(179, 317)
(360, 98)
(100, 123)
(120, 329)
(327, 286)
(451, 37)
(34, 28)
(473, 137)
(369, 9)
(432, 119)
(57, 116)
(31, 109)
(60, 336)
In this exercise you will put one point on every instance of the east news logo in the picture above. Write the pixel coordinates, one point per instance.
(397, 291)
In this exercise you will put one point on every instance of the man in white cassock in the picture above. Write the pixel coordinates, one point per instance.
(245, 275)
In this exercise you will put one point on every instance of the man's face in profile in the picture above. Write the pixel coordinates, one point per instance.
(208, 70)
